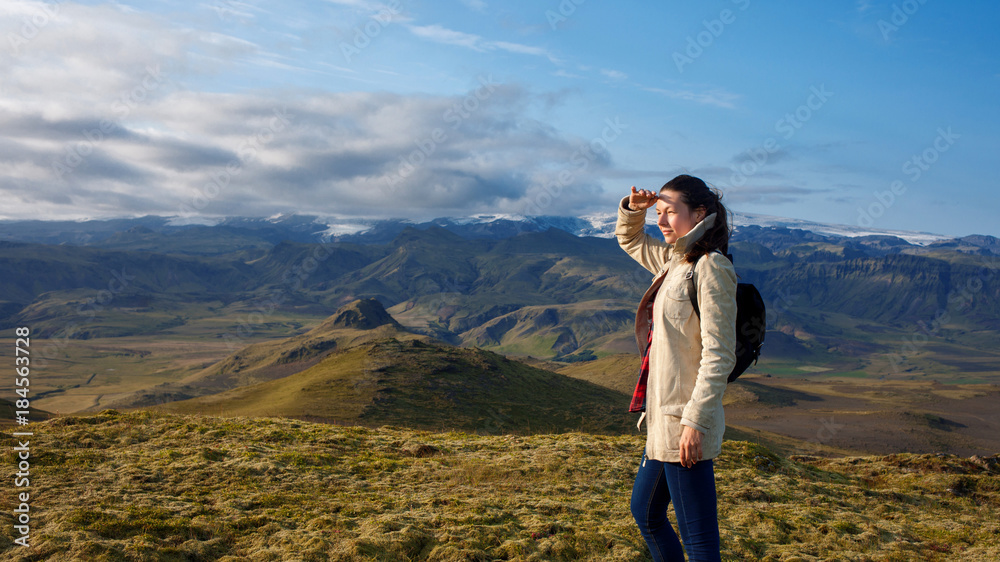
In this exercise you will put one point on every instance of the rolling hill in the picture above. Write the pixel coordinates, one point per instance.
(361, 367)
(426, 386)
(355, 323)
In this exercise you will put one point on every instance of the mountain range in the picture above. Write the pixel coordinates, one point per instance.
(123, 307)
(113, 233)
(501, 284)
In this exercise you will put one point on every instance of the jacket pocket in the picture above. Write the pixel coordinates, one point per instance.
(676, 302)
(676, 410)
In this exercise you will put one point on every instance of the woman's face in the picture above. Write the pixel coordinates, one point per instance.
(674, 217)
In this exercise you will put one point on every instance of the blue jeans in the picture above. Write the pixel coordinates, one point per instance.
(693, 492)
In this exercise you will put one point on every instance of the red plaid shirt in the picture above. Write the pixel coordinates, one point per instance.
(639, 394)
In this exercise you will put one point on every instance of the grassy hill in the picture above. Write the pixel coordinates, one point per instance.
(357, 322)
(148, 486)
(354, 323)
(425, 385)
(360, 366)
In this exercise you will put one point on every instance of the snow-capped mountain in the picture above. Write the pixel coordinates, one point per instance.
(600, 225)
(311, 228)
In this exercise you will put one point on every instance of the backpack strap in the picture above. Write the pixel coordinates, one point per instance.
(693, 287)
(693, 290)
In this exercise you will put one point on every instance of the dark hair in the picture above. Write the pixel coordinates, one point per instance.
(696, 194)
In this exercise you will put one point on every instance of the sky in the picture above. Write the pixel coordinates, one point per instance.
(868, 113)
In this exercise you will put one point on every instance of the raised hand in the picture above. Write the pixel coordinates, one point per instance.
(642, 199)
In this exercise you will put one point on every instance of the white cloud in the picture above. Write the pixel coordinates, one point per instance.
(717, 97)
(440, 34)
(614, 74)
(226, 9)
(363, 5)
(478, 5)
(80, 137)
(564, 74)
(228, 43)
(518, 48)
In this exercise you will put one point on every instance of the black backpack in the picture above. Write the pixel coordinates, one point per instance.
(751, 321)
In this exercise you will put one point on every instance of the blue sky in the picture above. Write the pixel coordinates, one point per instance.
(867, 113)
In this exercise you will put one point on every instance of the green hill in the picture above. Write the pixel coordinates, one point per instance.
(148, 486)
(361, 367)
(356, 322)
(424, 385)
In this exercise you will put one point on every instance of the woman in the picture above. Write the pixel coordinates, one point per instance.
(686, 362)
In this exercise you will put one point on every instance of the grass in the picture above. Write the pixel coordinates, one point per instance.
(149, 486)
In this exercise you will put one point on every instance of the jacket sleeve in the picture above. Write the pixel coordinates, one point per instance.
(716, 286)
(631, 233)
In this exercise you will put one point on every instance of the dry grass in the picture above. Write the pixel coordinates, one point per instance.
(145, 486)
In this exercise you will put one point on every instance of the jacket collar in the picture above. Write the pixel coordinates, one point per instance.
(686, 242)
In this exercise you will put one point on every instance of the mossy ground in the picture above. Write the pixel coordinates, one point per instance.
(148, 486)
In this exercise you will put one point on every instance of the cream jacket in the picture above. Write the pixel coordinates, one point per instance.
(689, 361)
